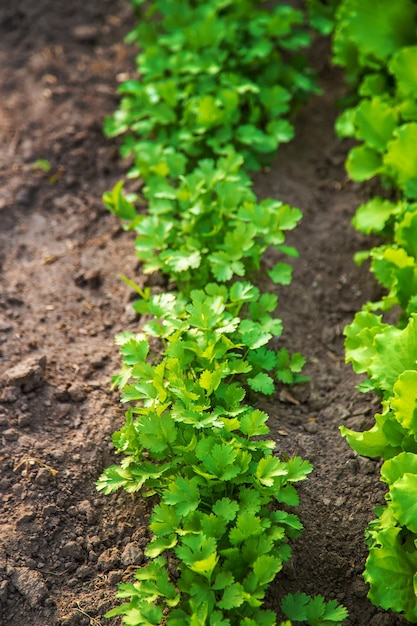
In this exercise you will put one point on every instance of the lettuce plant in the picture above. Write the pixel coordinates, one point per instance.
(377, 46)
(389, 356)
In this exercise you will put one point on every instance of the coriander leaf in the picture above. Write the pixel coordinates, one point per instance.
(266, 567)
(262, 383)
(159, 544)
(247, 525)
(134, 351)
(223, 579)
(253, 423)
(270, 468)
(263, 358)
(233, 596)
(164, 520)
(199, 553)
(210, 380)
(226, 508)
(184, 495)
(253, 335)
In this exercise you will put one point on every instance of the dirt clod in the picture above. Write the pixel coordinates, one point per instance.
(31, 585)
(28, 374)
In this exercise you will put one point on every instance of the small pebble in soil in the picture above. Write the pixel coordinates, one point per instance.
(9, 395)
(28, 374)
(381, 619)
(108, 560)
(10, 434)
(359, 588)
(77, 393)
(311, 427)
(132, 554)
(84, 571)
(85, 33)
(85, 508)
(43, 476)
(366, 466)
(73, 550)
(114, 577)
(3, 590)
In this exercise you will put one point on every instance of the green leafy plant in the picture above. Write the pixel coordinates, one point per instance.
(207, 226)
(378, 49)
(217, 81)
(189, 439)
(394, 264)
(211, 78)
(314, 611)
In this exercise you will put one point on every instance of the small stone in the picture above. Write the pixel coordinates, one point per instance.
(61, 394)
(89, 278)
(366, 466)
(132, 554)
(24, 420)
(86, 509)
(5, 325)
(115, 577)
(25, 195)
(43, 476)
(84, 571)
(50, 509)
(30, 584)
(73, 550)
(3, 590)
(311, 427)
(85, 33)
(28, 374)
(77, 393)
(301, 392)
(381, 619)
(94, 541)
(9, 395)
(3, 558)
(130, 313)
(10, 434)
(108, 560)
(27, 517)
(359, 588)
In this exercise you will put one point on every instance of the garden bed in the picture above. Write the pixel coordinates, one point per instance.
(64, 547)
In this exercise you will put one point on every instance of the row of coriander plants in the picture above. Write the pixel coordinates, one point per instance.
(216, 80)
(377, 46)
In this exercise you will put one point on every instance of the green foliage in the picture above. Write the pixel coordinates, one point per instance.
(314, 611)
(210, 78)
(378, 50)
(365, 38)
(189, 438)
(216, 83)
(377, 47)
(207, 226)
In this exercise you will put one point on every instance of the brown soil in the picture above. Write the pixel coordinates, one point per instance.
(63, 546)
